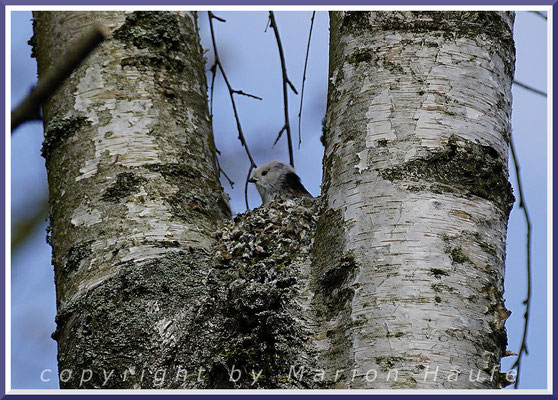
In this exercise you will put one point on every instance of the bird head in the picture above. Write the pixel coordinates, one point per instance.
(274, 178)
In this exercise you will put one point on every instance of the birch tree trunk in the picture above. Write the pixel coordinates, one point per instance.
(410, 245)
(134, 191)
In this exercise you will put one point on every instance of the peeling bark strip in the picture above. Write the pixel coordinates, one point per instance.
(129, 153)
(411, 241)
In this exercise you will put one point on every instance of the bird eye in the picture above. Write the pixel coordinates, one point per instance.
(264, 173)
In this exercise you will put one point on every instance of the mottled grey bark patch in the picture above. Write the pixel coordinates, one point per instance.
(126, 184)
(333, 284)
(324, 132)
(497, 308)
(118, 317)
(33, 39)
(355, 22)
(187, 207)
(58, 130)
(364, 55)
(48, 230)
(76, 254)
(440, 288)
(333, 271)
(386, 363)
(455, 23)
(495, 30)
(477, 238)
(498, 314)
(337, 276)
(176, 173)
(465, 167)
(198, 199)
(329, 245)
(151, 29)
(327, 163)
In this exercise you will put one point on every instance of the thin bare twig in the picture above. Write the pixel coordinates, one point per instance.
(304, 77)
(213, 70)
(531, 89)
(252, 166)
(247, 94)
(29, 108)
(232, 92)
(540, 14)
(222, 171)
(291, 85)
(211, 15)
(279, 135)
(286, 82)
(527, 301)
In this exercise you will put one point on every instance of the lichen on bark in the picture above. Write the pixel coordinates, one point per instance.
(232, 318)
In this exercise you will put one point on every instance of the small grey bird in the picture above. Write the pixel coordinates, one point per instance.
(275, 178)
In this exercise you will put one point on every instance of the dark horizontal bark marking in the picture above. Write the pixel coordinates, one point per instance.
(153, 62)
(460, 23)
(126, 184)
(466, 167)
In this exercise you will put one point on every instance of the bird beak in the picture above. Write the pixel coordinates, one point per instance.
(252, 180)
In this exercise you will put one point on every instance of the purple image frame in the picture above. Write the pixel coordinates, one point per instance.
(3, 117)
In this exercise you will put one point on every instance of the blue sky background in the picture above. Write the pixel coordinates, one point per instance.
(251, 61)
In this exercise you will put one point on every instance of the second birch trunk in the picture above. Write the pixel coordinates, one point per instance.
(411, 243)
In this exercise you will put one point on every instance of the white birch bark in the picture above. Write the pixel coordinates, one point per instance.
(134, 189)
(411, 243)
